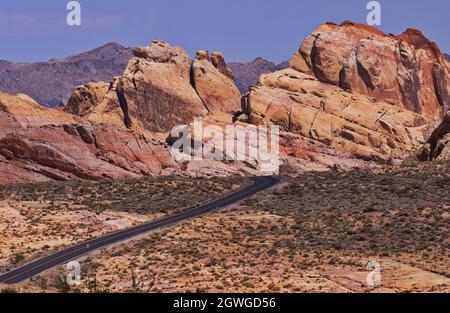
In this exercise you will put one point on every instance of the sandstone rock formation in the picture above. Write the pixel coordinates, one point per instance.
(406, 70)
(160, 88)
(154, 93)
(41, 144)
(25, 112)
(359, 104)
(437, 146)
(84, 99)
(211, 79)
(99, 103)
(218, 60)
(155, 90)
(38, 144)
(359, 125)
(67, 152)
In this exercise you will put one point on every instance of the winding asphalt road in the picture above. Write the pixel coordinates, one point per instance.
(46, 263)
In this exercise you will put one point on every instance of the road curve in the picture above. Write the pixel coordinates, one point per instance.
(48, 262)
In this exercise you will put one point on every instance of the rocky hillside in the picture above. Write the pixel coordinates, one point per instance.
(51, 83)
(39, 144)
(247, 74)
(330, 116)
(111, 130)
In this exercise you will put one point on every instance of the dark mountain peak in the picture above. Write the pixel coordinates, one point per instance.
(51, 83)
(247, 74)
(112, 44)
(260, 59)
(108, 50)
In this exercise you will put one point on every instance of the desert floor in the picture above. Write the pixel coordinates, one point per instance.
(315, 232)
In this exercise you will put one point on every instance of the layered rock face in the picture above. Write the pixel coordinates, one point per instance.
(406, 70)
(155, 90)
(38, 144)
(25, 112)
(362, 126)
(109, 130)
(160, 88)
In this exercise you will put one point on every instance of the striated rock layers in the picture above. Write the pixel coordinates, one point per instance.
(362, 126)
(38, 144)
(406, 70)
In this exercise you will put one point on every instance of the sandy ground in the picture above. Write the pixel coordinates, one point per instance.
(38, 219)
(221, 253)
(313, 233)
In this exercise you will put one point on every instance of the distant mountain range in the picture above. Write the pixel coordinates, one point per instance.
(247, 74)
(51, 83)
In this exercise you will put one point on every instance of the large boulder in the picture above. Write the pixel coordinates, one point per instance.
(406, 70)
(213, 83)
(156, 88)
(98, 103)
(84, 99)
(218, 60)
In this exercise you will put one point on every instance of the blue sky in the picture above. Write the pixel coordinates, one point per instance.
(33, 30)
